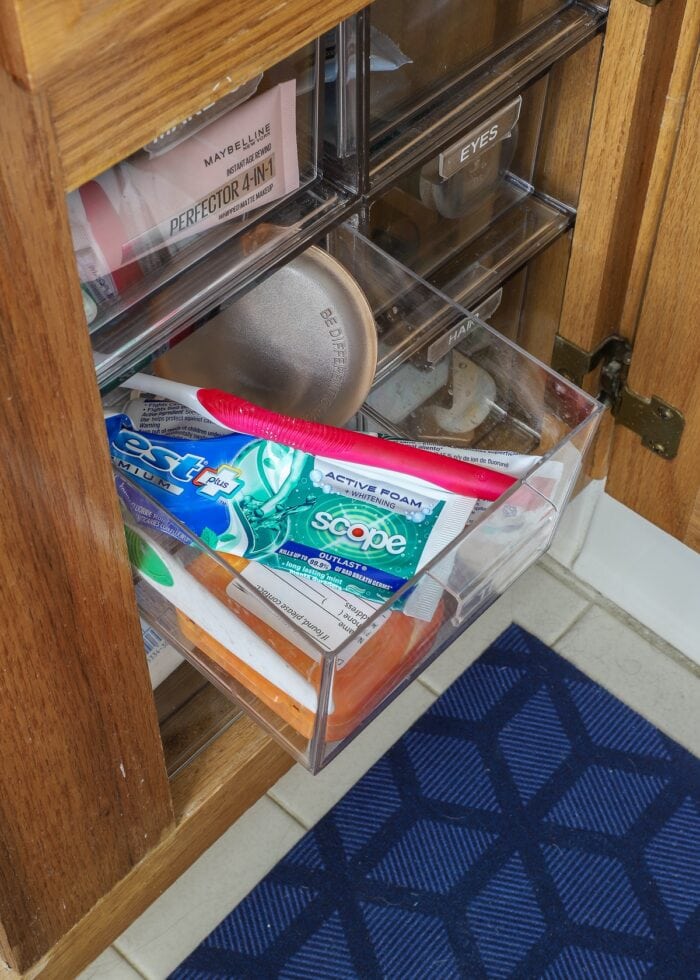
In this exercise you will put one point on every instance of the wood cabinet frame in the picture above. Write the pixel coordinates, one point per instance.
(90, 829)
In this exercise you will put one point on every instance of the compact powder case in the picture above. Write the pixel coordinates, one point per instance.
(302, 342)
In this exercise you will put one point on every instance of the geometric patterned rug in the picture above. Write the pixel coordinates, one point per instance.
(528, 825)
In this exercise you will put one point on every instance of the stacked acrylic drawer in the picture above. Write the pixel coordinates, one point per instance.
(438, 185)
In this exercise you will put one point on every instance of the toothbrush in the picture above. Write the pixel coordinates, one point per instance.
(237, 415)
(172, 580)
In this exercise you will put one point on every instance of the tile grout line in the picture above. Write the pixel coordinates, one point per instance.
(574, 622)
(592, 598)
(148, 976)
(566, 577)
(432, 690)
(366, 764)
(427, 685)
(126, 959)
(663, 646)
(568, 580)
(290, 813)
(601, 601)
(579, 594)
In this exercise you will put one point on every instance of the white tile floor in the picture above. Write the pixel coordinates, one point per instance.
(646, 572)
(549, 601)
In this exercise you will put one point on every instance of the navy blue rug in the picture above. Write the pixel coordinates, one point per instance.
(528, 825)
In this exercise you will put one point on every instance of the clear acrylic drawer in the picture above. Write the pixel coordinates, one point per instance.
(498, 191)
(204, 181)
(474, 192)
(432, 70)
(314, 669)
(431, 45)
(209, 207)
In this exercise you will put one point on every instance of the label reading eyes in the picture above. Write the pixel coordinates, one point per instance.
(495, 129)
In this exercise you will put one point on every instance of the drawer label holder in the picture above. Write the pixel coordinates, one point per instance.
(496, 128)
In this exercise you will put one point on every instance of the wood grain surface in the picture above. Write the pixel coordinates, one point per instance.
(201, 717)
(692, 535)
(638, 58)
(12, 56)
(683, 66)
(558, 173)
(86, 828)
(176, 690)
(84, 794)
(539, 320)
(213, 791)
(130, 70)
(666, 357)
(47, 38)
(566, 124)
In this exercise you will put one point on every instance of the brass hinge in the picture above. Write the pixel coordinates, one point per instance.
(659, 424)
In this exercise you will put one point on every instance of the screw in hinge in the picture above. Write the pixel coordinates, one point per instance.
(658, 448)
(664, 412)
(611, 379)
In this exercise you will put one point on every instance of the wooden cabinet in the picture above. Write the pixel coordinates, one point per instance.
(635, 254)
(661, 308)
(90, 828)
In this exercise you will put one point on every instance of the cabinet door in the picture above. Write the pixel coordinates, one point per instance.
(666, 358)
(635, 245)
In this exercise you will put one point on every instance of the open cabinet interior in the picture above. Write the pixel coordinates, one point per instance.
(380, 218)
(409, 197)
(191, 712)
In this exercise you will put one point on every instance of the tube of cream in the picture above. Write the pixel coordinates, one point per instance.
(239, 162)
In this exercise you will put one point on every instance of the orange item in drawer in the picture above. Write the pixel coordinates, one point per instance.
(359, 686)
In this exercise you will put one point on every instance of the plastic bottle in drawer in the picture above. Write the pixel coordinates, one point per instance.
(314, 660)
(197, 184)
